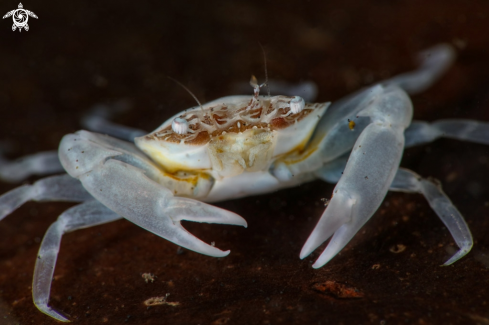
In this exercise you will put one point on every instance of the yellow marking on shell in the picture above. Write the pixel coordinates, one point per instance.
(297, 154)
(184, 183)
(298, 157)
(191, 176)
(351, 124)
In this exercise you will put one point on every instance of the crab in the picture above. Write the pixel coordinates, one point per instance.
(238, 146)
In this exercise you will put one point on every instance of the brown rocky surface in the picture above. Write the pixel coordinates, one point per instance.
(78, 54)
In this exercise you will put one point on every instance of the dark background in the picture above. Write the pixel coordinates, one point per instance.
(79, 53)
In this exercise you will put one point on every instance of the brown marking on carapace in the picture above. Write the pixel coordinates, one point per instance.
(279, 123)
(219, 118)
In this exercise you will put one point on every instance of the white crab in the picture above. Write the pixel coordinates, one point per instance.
(238, 146)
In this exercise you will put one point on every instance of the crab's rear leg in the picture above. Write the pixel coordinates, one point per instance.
(409, 181)
(434, 62)
(372, 165)
(54, 188)
(85, 215)
(47, 162)
(42, 163)
(98, 120)
(466, 130)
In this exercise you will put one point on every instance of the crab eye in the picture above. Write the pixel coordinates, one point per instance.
(179, 125)
(297, 104)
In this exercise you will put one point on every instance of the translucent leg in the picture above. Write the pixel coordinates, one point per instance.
(43, 163)
(54, 188)
(332, 171)
(408, 181)
(85, 215)
(434, 62)
(98, 121)
(468, 130)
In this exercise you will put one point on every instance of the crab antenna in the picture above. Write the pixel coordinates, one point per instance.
(188, 90)
(266, 71)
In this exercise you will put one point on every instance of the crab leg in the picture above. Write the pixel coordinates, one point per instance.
(98, 121)
(434, 62)
(467, 130)
(85, 215)
(117, 176)
(409, 181)
(366, 178)
(54, 188)
(42, 163)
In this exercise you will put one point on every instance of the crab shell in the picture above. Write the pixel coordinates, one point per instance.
(233, 135)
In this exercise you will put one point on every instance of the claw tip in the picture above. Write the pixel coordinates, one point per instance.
(225, 253)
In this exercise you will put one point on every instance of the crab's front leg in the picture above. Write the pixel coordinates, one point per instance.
(84, 215)
(118, 175)
(372, 165)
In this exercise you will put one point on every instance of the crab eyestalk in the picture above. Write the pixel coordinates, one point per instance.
(179, 125)
(297, 104)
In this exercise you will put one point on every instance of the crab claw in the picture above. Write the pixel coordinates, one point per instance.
(126, 190)
(192, 210)
(335, 219)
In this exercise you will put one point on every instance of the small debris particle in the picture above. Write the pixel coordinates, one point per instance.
(375, 266)
(351, 124)
(337, 290)
(180, 250)
(155, 301)
(213, 243)
(451, 177)
(460, 43)
(221, 321)
(148, 277)
(366, 177)
(405, 218)
(16, 302)
(326, 201)
(399, 248)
